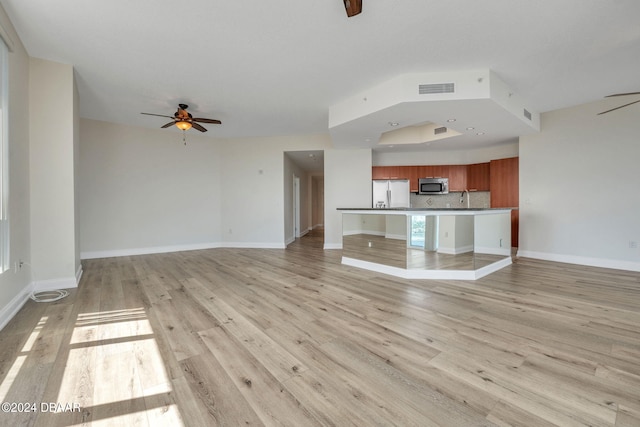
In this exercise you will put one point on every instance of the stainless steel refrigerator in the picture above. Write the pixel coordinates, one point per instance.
(391, 193)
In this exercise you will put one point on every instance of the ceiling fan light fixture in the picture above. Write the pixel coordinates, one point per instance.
(183, 125)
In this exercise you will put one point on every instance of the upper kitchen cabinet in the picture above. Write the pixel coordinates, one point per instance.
(426, 172)
(478, 178)
(414, 176)
(389, 172)
(457, 175)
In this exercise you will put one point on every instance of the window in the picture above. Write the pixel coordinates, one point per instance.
(4, 158)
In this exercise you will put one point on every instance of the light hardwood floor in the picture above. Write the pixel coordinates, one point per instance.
(291, 337)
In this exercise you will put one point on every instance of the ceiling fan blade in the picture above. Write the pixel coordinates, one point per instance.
(197, 126)
(201, 120)
(353, 7)
(168, 124)
(623, 94)
(159, 115)
(622, 106)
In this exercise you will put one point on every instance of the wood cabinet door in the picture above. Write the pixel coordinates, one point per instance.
(378, 172)
(457, 175)
(414, 176)
(440, 171)
(478, 177)
(426, 171)
(386, 172)
(504, 176)
(403, 172)
(504, 184)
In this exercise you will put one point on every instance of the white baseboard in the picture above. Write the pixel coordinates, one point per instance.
(148, 250)
(332, 246)
(253, 245)
(50, 285)
(79, 274)
(580, 260)
(8, 311)
(318, 226)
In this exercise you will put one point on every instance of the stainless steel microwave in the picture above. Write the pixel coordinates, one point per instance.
(433, 186)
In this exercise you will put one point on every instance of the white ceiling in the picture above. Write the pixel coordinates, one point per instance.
(276, 67)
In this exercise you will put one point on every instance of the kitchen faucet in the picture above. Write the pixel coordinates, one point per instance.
(462, 198)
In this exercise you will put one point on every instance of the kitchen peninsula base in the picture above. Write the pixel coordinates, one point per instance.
(463, 244)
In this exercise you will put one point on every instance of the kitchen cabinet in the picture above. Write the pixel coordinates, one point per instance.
(457, 175)
(474, 177)
(504, 184)
(389, 172)
(440, 171)
(414, 176)
(478, 177)
(426, 172)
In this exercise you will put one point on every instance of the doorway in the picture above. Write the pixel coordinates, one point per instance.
(303, 193)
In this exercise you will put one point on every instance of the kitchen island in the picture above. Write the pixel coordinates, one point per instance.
(427, 243)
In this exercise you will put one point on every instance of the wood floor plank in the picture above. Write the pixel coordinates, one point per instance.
(263, 391)
(219, 401)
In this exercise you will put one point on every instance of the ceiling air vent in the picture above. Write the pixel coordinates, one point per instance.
(527, 114)
(436, 88)
(438, 131)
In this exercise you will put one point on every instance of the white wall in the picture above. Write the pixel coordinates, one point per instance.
(347, 185)
(54, 257)
(253, 205)
(444, 157)
(579, 198)
(143, 190)
(15, 284)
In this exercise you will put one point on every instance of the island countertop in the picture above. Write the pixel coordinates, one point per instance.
(427, 211)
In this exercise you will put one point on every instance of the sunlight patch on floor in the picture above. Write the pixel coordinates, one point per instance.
(14, 371)
(123, 375)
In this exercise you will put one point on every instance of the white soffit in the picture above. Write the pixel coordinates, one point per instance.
(476, 106)
(417, 134)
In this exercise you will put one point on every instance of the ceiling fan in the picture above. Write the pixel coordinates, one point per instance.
(184, 120)
(353, 7)
(622, 106)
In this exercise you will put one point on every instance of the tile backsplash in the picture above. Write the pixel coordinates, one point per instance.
(478, 199)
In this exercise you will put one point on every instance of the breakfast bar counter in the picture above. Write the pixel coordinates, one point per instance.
(427, 243)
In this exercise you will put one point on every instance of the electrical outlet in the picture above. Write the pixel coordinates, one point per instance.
(633, 244)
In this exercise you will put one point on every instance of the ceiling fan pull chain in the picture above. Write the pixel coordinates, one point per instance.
(184, 137)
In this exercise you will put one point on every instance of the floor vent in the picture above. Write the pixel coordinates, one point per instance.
(436, 88)
(438, 131)
(527, 114)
